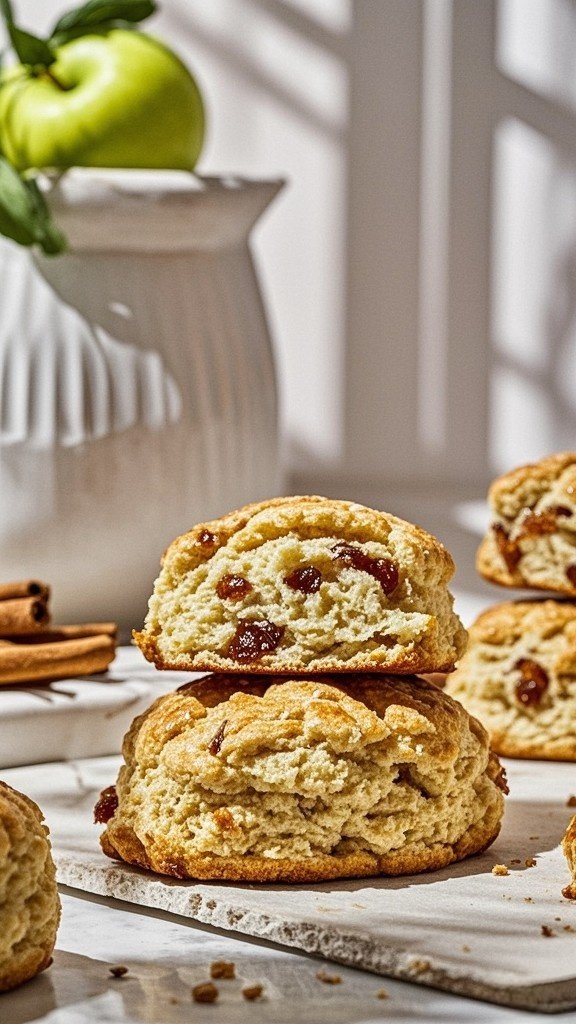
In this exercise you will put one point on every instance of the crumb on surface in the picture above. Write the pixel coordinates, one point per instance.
(222, 969)
(382, 994)
(500, 869)
(465, 948)
(252, 992)
(328, 979)
(419, 966)
(205, 992)
(571, 801)
(532, 838)
(118, 971)
(547, 932)
(528, 899)
(516, 860)
(530, 862)
(569, 928)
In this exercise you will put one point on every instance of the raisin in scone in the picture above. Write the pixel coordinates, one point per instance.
(29, 902)
(569, 848)
(532, 539)
(251, 779)
(518, 677)
(304, 584)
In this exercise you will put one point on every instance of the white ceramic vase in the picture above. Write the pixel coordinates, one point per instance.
(137, 387)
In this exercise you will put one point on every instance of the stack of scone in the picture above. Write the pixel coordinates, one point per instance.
(312, 751)
(519, 672)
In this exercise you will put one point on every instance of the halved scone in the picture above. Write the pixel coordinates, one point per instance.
(304, 584)
(569, 848)
(531, 542)
(518, 676)
(267, 780)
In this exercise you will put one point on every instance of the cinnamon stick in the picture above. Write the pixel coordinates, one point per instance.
(24, 588)
(55, 633)
(23, 615)
(64, 659)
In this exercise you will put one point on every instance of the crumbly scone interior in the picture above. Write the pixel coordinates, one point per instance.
(569, 849)
(30, 907)
(302, 773)
(349, 612)
(534, 522)
(534, 641)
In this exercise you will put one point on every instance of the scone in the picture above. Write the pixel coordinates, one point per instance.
(532, 539)
(29, 902)
(518, 677)
(304, 585)
(300, 780)
(569, 848)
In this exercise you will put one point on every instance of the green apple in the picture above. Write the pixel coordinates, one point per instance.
(112, 98)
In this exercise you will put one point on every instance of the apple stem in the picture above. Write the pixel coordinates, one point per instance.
(50, 74)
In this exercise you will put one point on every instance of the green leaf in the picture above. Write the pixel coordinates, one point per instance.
(24, 215)
(28, 48)
(97, 13)
(48, 236)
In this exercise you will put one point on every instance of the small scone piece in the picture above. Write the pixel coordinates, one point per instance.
(532, 539)
(29, 902)
(254, 779)
(304, 585)
(518, 677)
(569, 848)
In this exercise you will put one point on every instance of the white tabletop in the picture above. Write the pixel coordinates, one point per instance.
(166, 957)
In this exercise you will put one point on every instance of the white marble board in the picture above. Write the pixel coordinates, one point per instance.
(462, 929)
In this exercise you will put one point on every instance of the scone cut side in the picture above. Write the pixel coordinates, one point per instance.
(518, 677)
(569, 849)
(261, 779)
(531, 542)
(304, 584)
(29, 902)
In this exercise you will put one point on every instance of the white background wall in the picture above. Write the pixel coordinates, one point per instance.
(421, 265)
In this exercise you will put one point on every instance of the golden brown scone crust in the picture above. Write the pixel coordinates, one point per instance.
(569, 848)
(532, 540)
(505, 643)
(350, 624)
(29, 902)
(266, 780)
